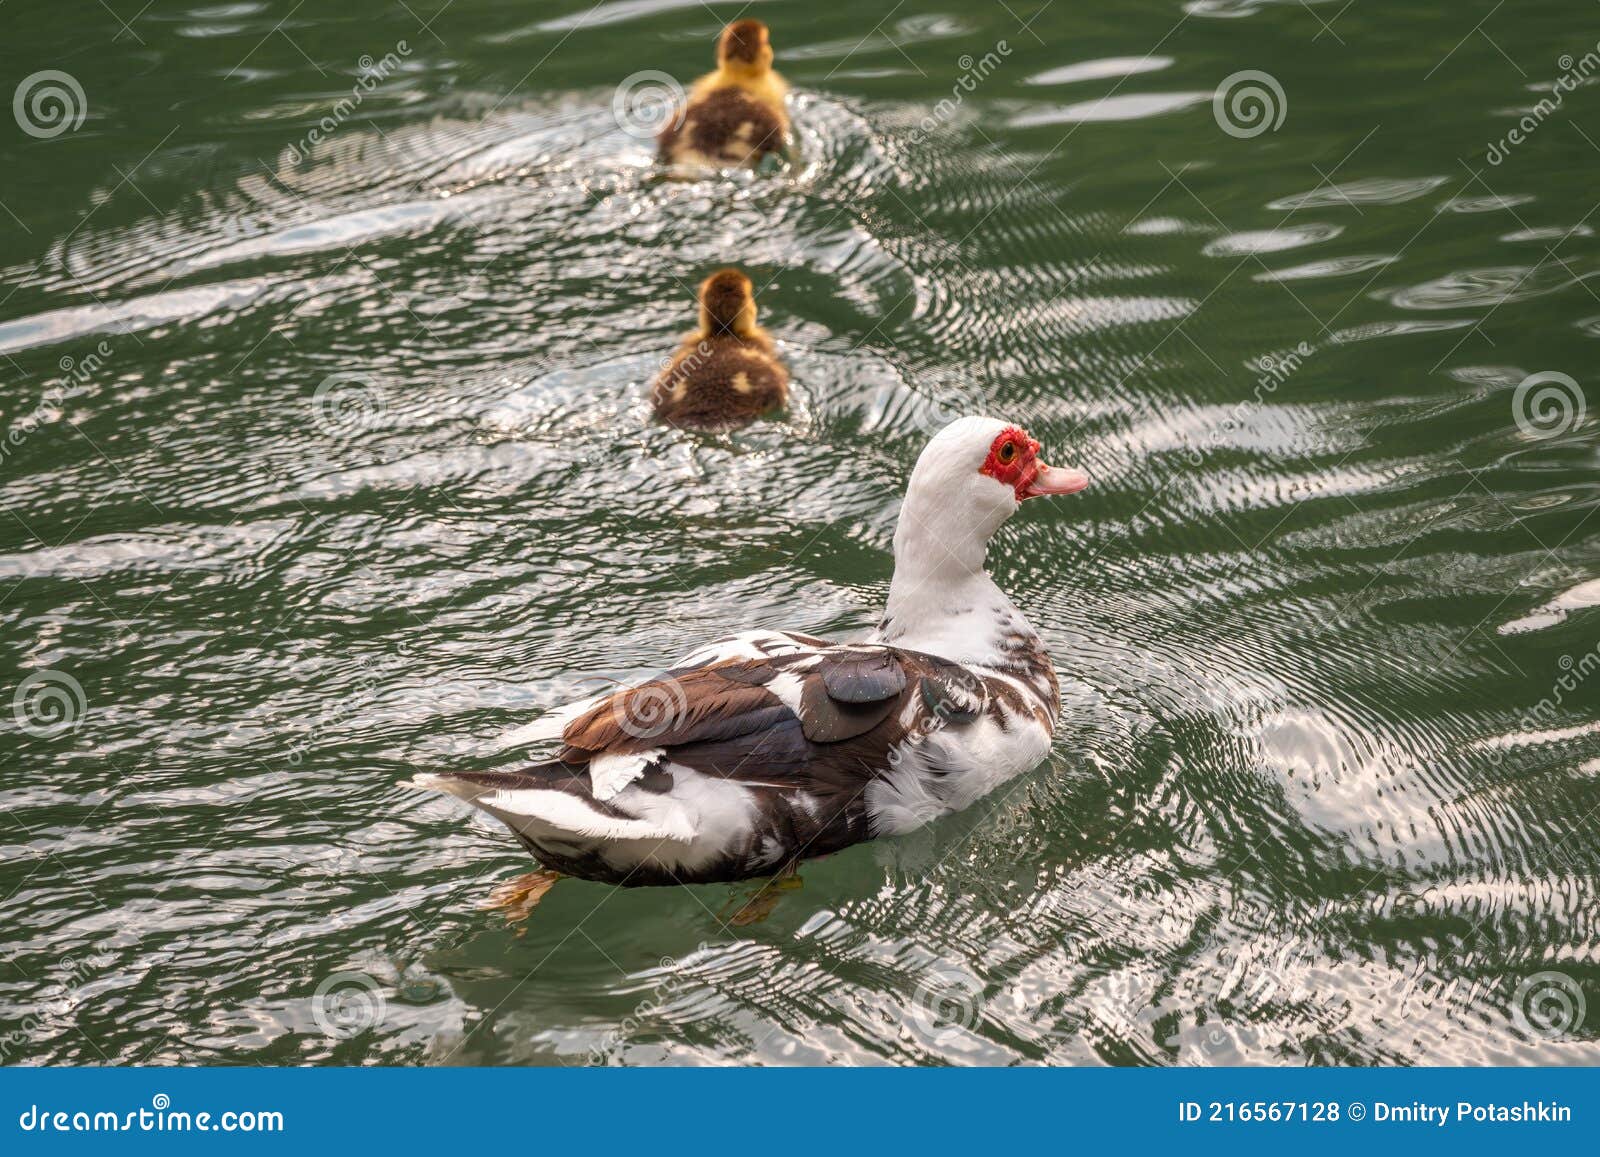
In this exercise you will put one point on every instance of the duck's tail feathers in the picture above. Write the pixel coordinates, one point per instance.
(534, 805)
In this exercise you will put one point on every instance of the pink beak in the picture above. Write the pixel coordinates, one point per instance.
(1050, 480)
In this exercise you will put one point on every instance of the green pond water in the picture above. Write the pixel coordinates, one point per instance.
(324, 339)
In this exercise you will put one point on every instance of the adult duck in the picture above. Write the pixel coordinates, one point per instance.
(734, 116)
(770, 747)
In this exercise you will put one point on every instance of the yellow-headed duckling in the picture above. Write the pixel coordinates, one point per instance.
(735, 115)
(726, 373)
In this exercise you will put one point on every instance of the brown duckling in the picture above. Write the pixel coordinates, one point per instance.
(735, 115)
(728, 372)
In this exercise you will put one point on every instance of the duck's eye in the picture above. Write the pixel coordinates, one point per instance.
(1007, 453)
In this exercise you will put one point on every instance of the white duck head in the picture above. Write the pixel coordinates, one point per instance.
(971, 477)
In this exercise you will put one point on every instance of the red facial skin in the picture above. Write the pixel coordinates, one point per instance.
(1020, 472)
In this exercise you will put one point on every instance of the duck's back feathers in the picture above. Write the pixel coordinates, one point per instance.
(726, 127)
(721, 380)
(766, 749)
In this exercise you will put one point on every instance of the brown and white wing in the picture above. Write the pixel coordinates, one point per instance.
(760, 750)
(763, 708)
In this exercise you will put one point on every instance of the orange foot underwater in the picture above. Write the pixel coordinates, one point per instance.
(761, 904)
(519, 897)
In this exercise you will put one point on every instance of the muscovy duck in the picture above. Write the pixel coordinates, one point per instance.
(770, 747)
